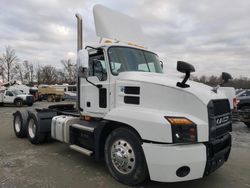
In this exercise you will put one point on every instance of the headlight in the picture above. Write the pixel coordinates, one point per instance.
(183, 130)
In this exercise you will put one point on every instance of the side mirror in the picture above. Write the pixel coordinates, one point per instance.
(83, 59)
(82, 63)
(187, 69)
(226, 76)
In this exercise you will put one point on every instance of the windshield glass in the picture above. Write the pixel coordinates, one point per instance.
(17, 92)
(131, 59)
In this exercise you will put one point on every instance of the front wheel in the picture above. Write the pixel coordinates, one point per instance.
(125, 158)
(19, 103)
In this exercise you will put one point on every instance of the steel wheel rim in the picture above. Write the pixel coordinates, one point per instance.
(122, 156)
(18, 124)
(32, 128)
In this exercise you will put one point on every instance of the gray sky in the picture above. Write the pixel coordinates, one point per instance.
(212, 35)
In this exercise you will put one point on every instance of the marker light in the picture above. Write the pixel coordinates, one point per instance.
(179, 121)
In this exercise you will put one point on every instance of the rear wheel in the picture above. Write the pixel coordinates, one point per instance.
(50, 98)
(125, 158)
(34, 134)
(20, 123)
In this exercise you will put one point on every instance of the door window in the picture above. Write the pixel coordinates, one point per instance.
(97, 66)
(8, 93)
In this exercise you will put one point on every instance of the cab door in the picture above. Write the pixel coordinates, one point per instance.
(8, 97)
(95, 87)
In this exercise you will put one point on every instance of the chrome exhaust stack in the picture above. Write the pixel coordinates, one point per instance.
(79, 47)
(79, 32)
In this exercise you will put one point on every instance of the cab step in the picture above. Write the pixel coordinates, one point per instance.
(81, 150)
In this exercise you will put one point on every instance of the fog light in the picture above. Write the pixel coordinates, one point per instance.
(183, 171)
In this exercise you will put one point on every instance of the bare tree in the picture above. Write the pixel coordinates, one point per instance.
(237, 83)
(19, 69)
(8, 60)
(29, 71)
(48, 75)
(2, 72)
(38, 74)
(61, 78)
(69, 70)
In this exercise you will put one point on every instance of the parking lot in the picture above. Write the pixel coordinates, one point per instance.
(55, 165)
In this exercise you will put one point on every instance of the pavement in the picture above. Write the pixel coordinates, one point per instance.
(55, 165)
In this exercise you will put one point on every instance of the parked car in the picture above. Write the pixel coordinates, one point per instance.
(243, 103)
(243, 99)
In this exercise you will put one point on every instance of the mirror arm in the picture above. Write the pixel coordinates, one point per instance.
(183, 83)
(91, 47)
(99, 86)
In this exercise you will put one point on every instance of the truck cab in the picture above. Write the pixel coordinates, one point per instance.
(106, 63)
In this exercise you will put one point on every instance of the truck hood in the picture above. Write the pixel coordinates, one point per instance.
(201, 91)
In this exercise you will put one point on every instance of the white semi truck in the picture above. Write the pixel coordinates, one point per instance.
(143, 123)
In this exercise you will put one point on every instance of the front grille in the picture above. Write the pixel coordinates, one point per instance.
(219, 115)
(221, 107)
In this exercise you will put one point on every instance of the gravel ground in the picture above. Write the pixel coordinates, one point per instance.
(55, 165)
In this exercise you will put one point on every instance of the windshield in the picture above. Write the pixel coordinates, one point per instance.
(17, 92)
(131, 59)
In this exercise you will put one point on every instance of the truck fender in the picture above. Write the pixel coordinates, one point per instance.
(43, 118)
(144, 121)
(39, 125)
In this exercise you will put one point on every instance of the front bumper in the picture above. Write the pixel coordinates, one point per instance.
(217, 153)
(164, 160)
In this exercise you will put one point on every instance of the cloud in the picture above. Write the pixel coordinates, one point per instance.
(212, 35)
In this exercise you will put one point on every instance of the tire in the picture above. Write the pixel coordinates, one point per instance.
(57, 99)
(33, 130)
(20, 123)
(124, 146)
(19, 103)
(50, 98)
